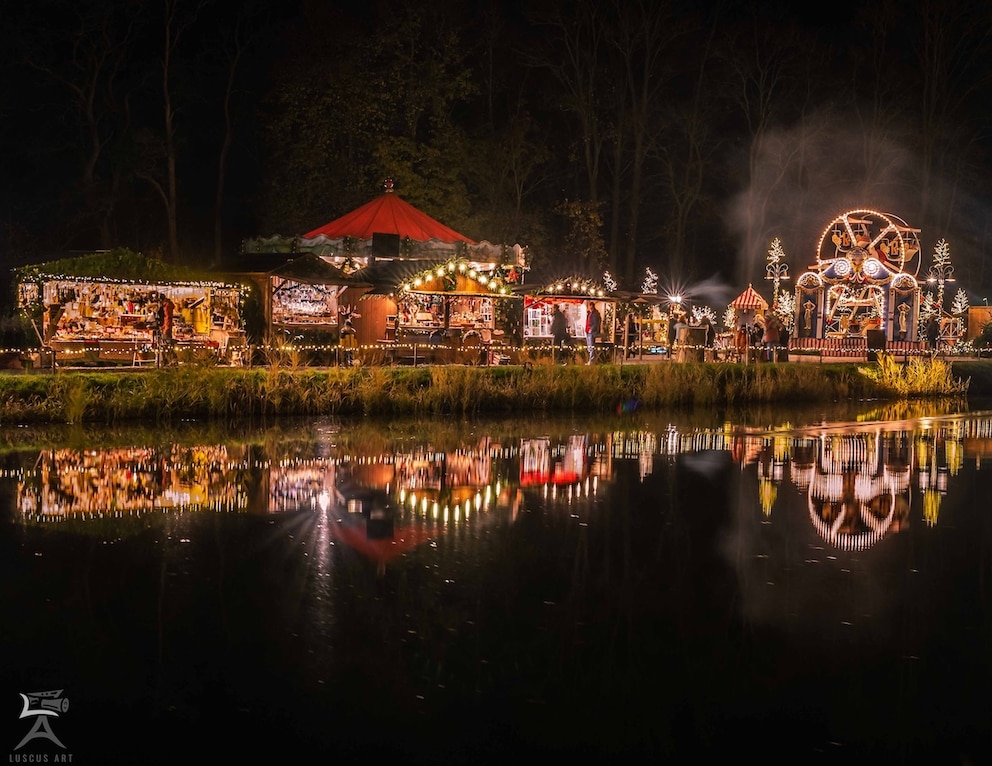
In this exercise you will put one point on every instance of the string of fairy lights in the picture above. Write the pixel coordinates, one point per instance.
(426, 278)
(84, 351)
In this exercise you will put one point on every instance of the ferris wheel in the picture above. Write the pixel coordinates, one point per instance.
(868, 242)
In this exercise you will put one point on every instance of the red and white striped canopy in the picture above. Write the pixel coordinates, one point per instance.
(749, 300)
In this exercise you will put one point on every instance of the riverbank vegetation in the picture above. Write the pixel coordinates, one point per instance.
(214, 393)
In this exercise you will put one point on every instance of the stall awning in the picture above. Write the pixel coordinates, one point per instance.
(314, 270)
(386, 277)
(749, 300)
(440, 278)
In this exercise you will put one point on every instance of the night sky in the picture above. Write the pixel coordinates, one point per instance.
(717, 127)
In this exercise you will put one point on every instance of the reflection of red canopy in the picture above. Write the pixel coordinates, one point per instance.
(749, 300)
(388, 214)
(384, 549)
(528, 478)
(562, 476)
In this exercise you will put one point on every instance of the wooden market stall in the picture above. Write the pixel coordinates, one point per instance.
(642, 324)
(453, 305)
(572, 295)
(110, 319)
(304, 294)
(748, 307)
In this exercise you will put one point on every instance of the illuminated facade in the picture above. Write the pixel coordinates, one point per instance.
(864, 280)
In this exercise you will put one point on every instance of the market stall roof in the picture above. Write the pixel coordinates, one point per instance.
(451, 277)
(388, 214)
(568, 287)
(637, 297)
(314, 270)
(386, 277)
(118, 264)
(749, 300)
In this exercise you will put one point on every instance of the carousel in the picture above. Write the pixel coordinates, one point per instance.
(862, 292)
(384, 289)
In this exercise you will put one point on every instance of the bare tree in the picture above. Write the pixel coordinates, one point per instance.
(642, 36)
(765, 61)
(179, 17)
(234, 45)
(684, 157)
(953, 49)
(574, 58)
(88, 60)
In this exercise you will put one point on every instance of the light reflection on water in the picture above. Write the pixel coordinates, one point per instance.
(647, 584)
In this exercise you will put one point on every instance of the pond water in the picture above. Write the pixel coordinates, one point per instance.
(812, 585)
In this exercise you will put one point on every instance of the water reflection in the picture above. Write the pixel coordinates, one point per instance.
(860, 482)
(651, 585)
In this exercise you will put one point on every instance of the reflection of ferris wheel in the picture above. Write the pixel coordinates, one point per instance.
(870, 241)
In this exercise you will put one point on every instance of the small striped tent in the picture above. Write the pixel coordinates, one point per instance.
(749, 300)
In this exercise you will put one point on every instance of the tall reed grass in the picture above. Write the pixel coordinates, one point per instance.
(920, 376)
(210, 393)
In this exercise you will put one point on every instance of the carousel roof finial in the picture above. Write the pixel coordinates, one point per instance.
(388, 185)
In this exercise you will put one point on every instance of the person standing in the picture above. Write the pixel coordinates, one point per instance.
(166, 311)
(772, 335)
(559, 334)
(933, 332)
(709, 339)
(164, 315)
(681, 337)
(594, 325)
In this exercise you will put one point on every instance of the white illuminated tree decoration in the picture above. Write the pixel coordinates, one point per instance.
(785, 307)
(960, 304)
(609, 282)
(776, 269)
(730, 318)
(699, 312)
(941, 271)
(928, 308)
(650, 283)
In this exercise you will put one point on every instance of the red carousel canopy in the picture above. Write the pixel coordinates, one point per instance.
(388, 214)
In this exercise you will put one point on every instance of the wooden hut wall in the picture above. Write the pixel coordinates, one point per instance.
(978, 317)
(375, 312)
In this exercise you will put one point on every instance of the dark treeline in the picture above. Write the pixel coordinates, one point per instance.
(603, 134)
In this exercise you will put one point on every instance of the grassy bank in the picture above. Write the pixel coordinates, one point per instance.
(205, 393)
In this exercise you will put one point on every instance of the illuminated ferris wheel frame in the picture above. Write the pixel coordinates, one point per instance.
(869, 240)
